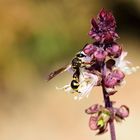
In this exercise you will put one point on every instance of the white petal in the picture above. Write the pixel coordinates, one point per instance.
(86, 85)
(123, 83)
(75, 97)
(123, 65)
(66, 88)
(111, 90)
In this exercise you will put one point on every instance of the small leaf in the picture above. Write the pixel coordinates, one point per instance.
(100, 123)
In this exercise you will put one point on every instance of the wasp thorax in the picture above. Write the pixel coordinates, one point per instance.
(76, 62)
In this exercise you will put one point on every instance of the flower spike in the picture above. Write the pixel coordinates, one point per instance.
(100, 63)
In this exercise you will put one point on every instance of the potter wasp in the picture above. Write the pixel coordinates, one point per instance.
(78, 62)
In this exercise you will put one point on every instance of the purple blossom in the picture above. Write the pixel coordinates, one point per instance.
(93, 123)
(101, 116)
(115, 50)
(114, 78)
(89, 49)
(93, 109)
(103, 28)
(109, 64)
(100, 54)
(123, 111)
(100, 63)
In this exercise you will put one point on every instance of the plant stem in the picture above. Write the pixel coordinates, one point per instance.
(108, 104)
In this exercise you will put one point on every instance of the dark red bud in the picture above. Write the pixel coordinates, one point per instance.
(102, 14)
(94, 23)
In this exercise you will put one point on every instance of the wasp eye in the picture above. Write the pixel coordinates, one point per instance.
(80, 55)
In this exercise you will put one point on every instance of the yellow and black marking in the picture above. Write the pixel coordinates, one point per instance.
(74, 85)
(76, 65)
(75, 81)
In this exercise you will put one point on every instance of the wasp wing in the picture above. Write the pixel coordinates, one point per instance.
(61, 70)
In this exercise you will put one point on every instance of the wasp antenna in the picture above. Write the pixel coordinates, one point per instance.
(85, 45)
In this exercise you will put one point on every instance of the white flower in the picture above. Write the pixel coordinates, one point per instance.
(86, 59)
(123, 65)
(110, 91)
(87, 82)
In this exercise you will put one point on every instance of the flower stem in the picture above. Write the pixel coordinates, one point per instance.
(108, 104)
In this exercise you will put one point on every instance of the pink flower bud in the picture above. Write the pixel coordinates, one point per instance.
(113, 78)
(93, 123)
(124, 111)
(89, 49)
(102, 14)
(110, 81)
(98, 38)
(90, 33)
(100, 55)
(119, 75)
(94, 23)
(93, 109)
(115, 50)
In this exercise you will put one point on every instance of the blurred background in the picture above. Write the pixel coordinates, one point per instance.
(39, 36)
